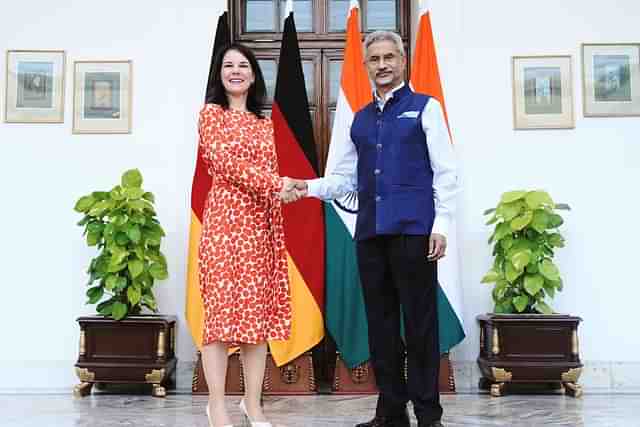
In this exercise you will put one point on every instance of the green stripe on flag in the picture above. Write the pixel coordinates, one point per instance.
(449, 328)
(345, 315)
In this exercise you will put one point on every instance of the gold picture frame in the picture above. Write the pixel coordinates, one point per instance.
(102, 97)
(34, 87)
(542, 92)
(611, 79)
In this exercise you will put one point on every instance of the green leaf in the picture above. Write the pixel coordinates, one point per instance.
(535, 199)
(100, 195)
(512, 196)
(556, 240)
(149, 197)
(504, 307)
(501, 288)
(121, 284)
(95, 294)
(491, 277)
(502, 230)
(492, 220)
(543, 308)
(533, 283)
(111, 282)
(562, 206)
(84, 204)
(117, 193)
(122, 239)
(521, 221)
(105, 308)
(134, 295)
(149, 301)
(99, 208)
(511, 273)
(133, 193)
(520, 303)
(540, 220)
(114, 268)
(521, 259)
(158, 271)
(132, 179)
(510, 210)
(532, 267)
(93, 238)
(136, 267)
(550, 288)
(119, 310)
(549, 270)
(138, 205)
(488, 211)
(134, 233)
(507, 242)
(555, 221)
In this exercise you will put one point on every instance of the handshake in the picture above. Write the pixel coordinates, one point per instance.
(292, 189)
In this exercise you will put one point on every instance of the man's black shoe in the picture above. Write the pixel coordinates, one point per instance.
(382, 421)
(431, 424)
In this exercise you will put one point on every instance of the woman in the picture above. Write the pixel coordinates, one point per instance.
(242, 259)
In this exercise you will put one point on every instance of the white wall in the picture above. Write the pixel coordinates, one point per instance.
(44, 168)
(595, 167)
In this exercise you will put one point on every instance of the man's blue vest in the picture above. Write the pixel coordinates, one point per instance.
(395, 179)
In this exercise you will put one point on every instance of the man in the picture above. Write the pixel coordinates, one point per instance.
(402, 164)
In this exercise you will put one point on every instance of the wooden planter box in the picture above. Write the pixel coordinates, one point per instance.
(294, 378)
(135, 350)
(297, 377)
(529, 348)
(361, 379)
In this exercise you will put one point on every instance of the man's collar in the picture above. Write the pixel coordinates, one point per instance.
(388, 95)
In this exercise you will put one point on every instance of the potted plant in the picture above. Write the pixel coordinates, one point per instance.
(121, 345)
(523, 340)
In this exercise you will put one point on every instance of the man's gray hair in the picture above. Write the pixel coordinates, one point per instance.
(383, 35)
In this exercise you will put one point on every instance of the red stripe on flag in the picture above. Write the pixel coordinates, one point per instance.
(304, 219)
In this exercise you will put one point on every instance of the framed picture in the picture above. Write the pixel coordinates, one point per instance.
(102, 97)
(34, 86)
(542, 92)
(611, 79)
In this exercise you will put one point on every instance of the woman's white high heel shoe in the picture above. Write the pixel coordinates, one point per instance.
(247, 418)
(209, 419)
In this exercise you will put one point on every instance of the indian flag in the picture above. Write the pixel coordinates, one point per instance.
(425, 78)
(345, 316)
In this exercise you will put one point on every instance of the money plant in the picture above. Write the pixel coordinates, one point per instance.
(525, 238)
(123, 226)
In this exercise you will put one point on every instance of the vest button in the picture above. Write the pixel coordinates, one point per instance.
(379, 147)
(378, 198)
(377, 171)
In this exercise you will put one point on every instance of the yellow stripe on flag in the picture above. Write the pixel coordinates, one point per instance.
(307, 326)
(194, 308)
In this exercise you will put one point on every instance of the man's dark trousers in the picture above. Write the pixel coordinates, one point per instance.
(395, 272)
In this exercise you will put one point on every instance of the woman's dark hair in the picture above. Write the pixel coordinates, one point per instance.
(257, 90)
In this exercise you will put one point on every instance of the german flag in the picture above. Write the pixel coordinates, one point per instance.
(304, 219)
(194, 311)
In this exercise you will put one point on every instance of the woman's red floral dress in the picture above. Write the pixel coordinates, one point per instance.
(242, 259)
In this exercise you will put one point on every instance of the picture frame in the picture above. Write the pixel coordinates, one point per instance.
(102, 97)
(543, 92)
(34, 87)
(611, 79)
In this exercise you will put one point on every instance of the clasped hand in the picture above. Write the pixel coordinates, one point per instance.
(292, 189)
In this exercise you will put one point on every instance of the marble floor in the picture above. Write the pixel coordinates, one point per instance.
(183, 410)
